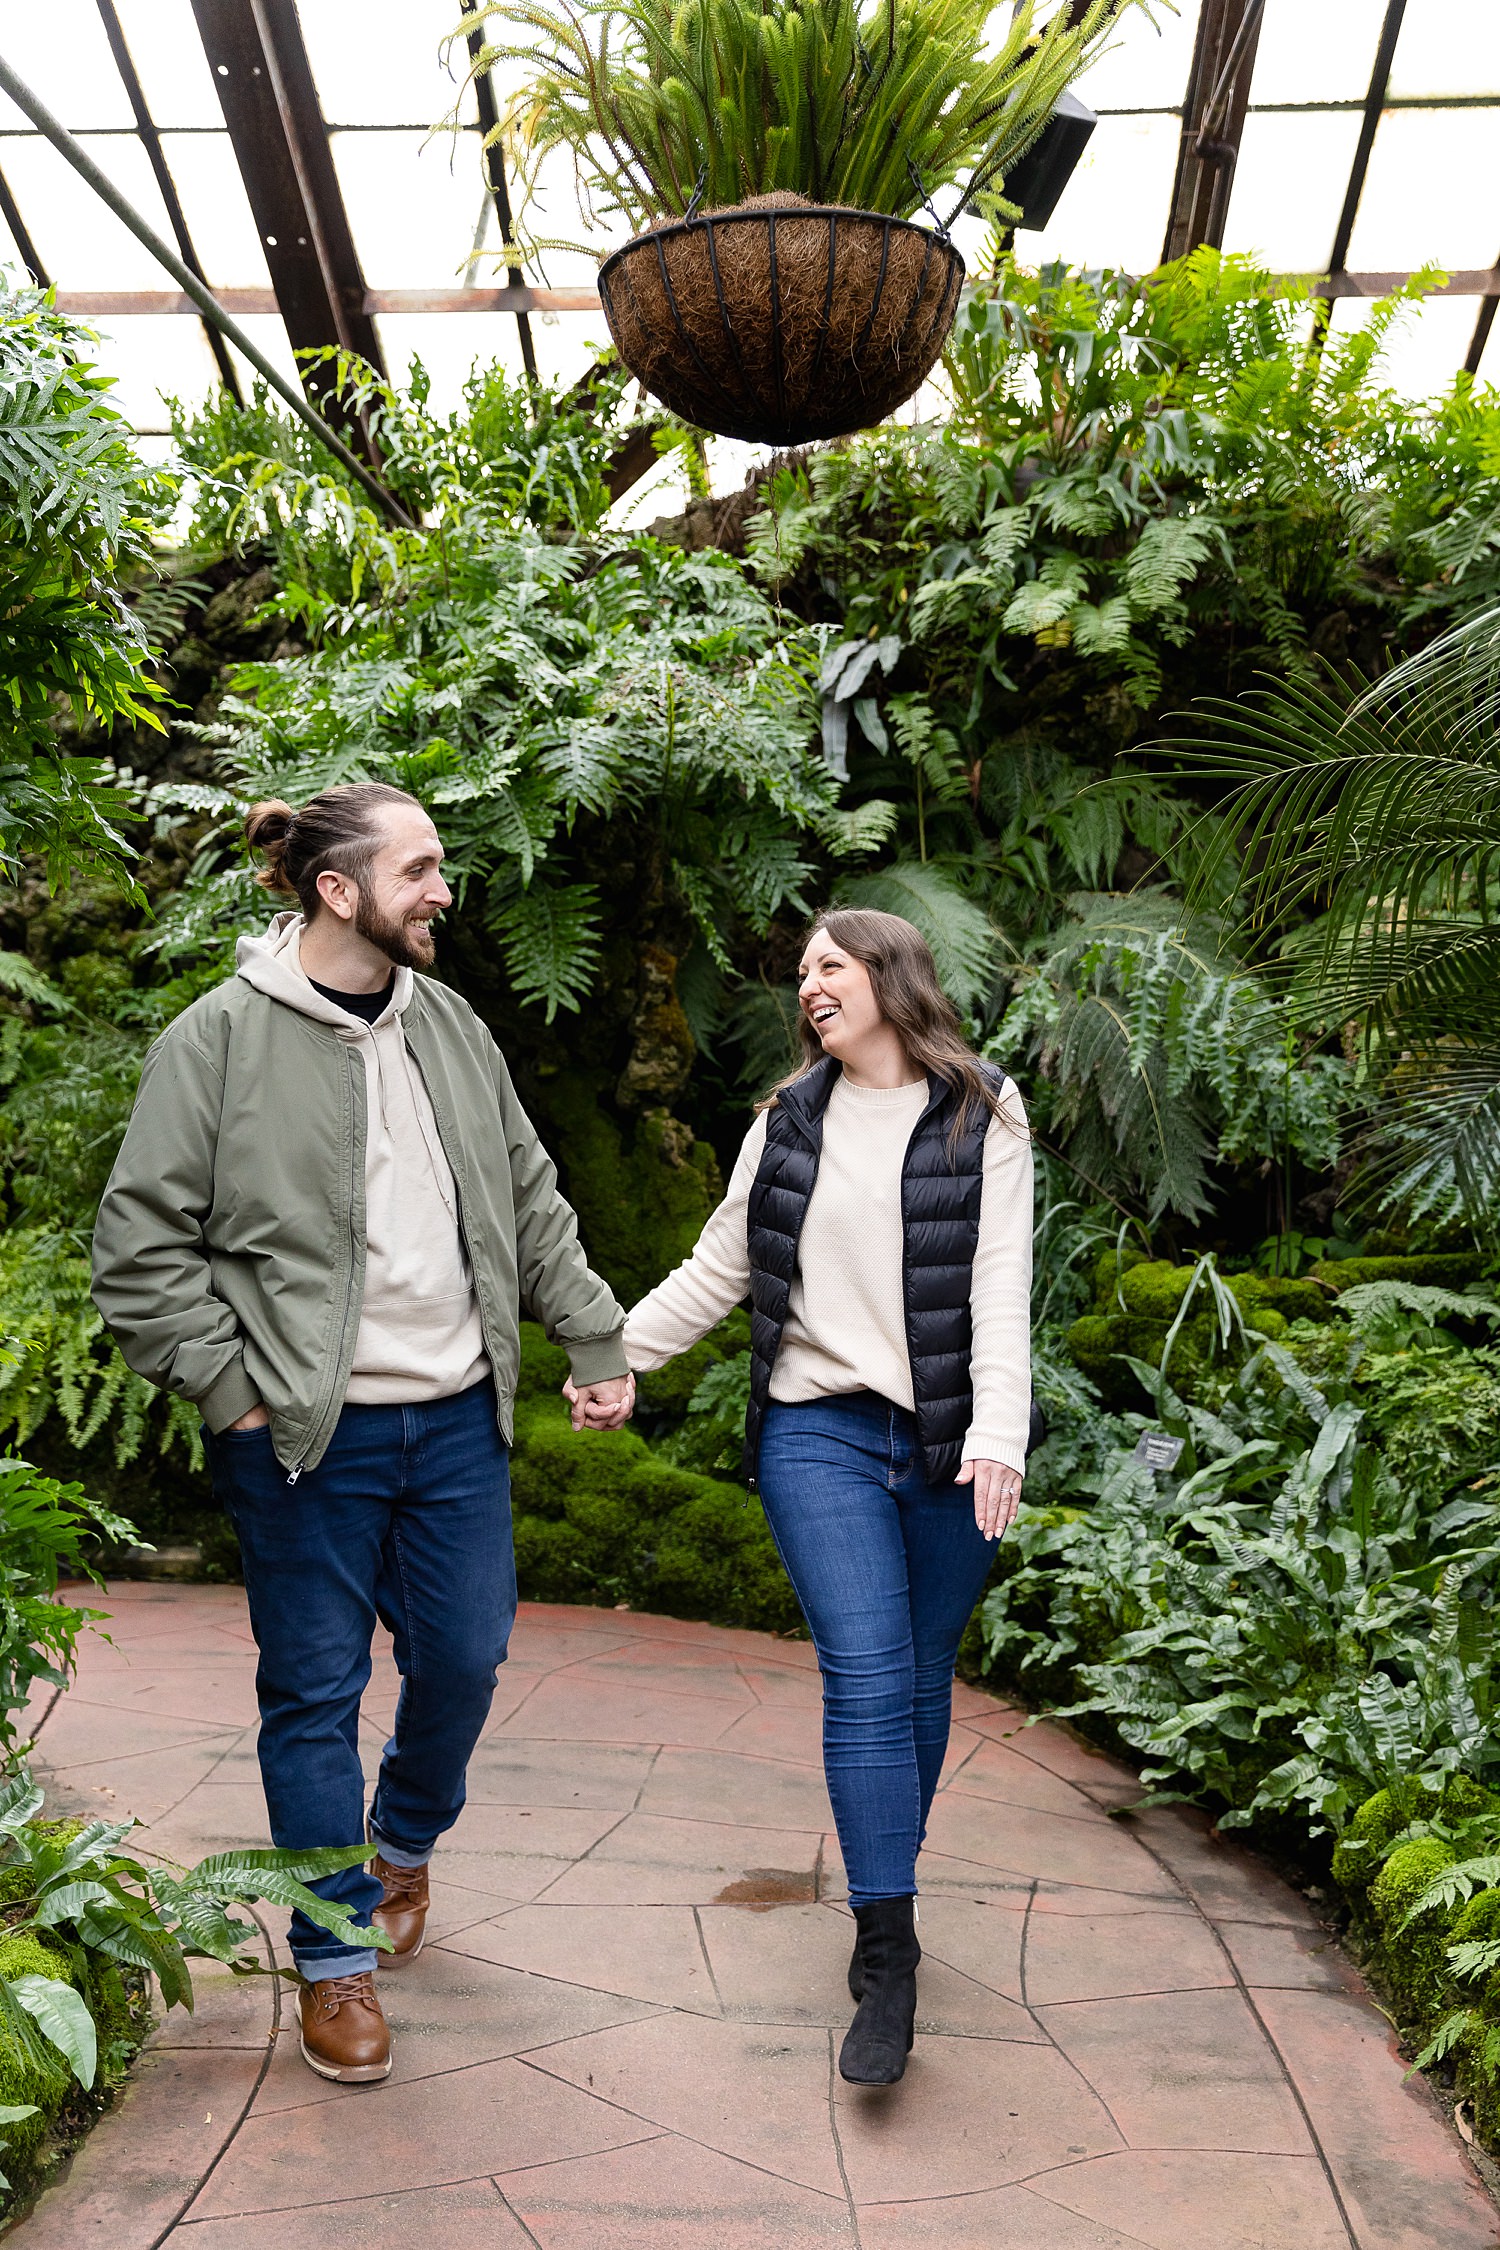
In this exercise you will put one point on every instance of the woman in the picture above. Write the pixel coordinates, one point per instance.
(879, 1218)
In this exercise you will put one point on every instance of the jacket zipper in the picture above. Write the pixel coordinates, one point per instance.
(324, 1402)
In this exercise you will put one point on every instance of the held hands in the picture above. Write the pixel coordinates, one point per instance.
(997, 1495)
(601, 1406)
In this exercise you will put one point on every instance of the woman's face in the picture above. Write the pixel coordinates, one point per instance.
(835, 994)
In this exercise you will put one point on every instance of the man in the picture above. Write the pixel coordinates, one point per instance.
(327, 1215)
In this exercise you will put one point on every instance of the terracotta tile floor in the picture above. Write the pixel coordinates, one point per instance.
(622, 2033)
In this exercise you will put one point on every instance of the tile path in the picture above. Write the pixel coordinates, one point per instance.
(622, 2034)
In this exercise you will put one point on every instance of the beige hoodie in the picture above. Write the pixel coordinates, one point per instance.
(419, 1330)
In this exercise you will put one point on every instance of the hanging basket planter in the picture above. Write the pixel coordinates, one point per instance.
(781, 321)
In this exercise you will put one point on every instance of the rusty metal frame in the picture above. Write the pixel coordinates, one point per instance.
(494, 174)
(1380, 79)
(280, 142)
(10, 212)
(1213, 124)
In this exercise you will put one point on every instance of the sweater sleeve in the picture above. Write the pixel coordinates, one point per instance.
(1001, 1357)
(697, 1294)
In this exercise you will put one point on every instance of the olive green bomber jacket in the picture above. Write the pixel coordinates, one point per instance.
(229, 1248)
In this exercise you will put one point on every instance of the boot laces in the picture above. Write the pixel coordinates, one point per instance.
(337, 1992)
(401, 1882)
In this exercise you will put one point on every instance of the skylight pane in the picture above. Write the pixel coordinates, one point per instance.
(65, 59)
(1432, 192)
(1316, 54)
(1114, 209)
(78, 239)
(1427, 348)
(1448, 47)
(1289, 187)
(268, 334)
(413, 207)
(380, 64)
(167, 51)
(1146, 68)
(154, 355)
(217, 209)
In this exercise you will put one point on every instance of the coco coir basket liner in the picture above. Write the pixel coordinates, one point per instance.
(781, 321)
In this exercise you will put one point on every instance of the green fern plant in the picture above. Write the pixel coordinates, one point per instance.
(1163, 1054)
(877, 107)
(1379, 810)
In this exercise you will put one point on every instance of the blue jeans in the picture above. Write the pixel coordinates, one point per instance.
(406, 1518)
(887, 1568)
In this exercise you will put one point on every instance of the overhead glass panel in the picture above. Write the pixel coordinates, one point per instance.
(1113, 211)
(1307, 55)
(1448, 47)
(1432, 192)
(78, 239)
(1289, 186)
(413, 205)
(217, 209)
(162, 36)
(1427, 349)
(65, 58)
(1146, 68)
(152, 357)
(379, 64)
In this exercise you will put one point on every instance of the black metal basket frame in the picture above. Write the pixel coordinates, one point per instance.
(706, 223)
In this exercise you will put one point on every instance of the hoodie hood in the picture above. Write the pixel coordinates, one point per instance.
(273, 965)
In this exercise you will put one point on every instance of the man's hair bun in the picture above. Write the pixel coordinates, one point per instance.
(267, 829)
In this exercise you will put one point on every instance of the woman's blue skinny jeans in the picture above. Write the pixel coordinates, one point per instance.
(887, 1568)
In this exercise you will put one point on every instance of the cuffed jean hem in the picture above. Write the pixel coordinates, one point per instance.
(349, 1961)
(397, 1855)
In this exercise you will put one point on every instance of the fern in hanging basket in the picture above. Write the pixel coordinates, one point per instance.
(767, 156)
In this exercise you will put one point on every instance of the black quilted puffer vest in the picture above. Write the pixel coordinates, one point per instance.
(940, 1193)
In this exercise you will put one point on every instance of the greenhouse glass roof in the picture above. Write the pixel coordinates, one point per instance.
(1356, 137)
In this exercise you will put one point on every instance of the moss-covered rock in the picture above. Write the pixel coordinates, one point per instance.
(1137, 1301)
(1442, 1270)
(600, 1516)
(641, 1200)
(1412, 1956)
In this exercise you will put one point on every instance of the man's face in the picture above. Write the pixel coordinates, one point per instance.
(403, 890)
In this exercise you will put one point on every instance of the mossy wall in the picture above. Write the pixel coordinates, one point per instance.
(1136, 1301)
(602, 1517)
(1383, 1868)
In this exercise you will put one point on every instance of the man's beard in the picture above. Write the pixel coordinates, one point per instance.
(407, 943)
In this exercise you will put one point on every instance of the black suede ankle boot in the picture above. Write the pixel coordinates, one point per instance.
(878, 2041)
(856, 1971)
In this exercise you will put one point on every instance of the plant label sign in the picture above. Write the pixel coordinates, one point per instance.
(1157, 1450)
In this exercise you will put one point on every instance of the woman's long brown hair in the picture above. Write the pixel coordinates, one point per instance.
(904, 979)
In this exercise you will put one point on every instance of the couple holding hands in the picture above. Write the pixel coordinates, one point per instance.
(326, 1218)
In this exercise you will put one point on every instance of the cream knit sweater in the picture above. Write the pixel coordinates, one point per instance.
(419, 1333)
(845, 1327)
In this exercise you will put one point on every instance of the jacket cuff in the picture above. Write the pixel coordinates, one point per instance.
(597, 1359)
(232, 1395)
(984, 1445)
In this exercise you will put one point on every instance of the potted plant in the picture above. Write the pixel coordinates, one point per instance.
(768, 156)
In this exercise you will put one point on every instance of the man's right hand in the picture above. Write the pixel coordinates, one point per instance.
(256, 1419)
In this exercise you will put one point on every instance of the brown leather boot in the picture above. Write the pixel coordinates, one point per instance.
(344, 2032)
(402, 1912)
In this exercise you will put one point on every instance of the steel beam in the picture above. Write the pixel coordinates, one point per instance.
(266, 91)
(151, 141)
(1213, 124)
(102, 303)
(1380, 79)
(10, 211)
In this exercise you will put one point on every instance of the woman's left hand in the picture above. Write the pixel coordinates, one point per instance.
(997, 1495)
